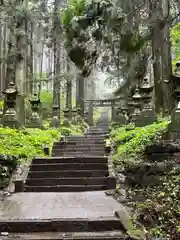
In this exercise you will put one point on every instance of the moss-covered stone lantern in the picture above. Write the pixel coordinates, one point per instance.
(148, 115)
(146, 90)
(10, 116)
(121, 116)
(74, 114)
(78, 110)
(137, 101)
(55, 122)
(35, 119)
(66, 112)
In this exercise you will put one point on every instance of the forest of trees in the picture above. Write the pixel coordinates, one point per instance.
(51, 46)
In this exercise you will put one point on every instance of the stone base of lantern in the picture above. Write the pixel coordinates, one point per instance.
(55, 123)
(174, 126)
(121, 119)
(66, 123)
(10, 119)
(146, 117)
(35, 122)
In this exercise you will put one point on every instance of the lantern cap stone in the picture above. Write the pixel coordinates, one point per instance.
(136, 95)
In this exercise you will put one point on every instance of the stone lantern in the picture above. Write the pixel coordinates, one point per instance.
(137, 101)
(78, 111)
(148, 115)
(10, 117)
(55, 122)
(66, 122)
(121, 116)
(35, 120)
(74, 114)
(66, 112)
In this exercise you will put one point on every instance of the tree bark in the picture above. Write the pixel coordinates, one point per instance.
(57, 67)
(80, 93)
(69, 92)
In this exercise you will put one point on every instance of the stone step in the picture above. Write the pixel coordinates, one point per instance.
(96, 133)
(63, 225)
(66, 188)
(79, 146)
(49, 160)
(96, 138)
(71, 181)
(106, 235)
(85, 141)
(87, 144)
(79, 149)
(68, 166)
(72, 151)
(76, 154)
(68, 173)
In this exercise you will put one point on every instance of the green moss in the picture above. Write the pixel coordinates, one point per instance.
(30, 142)
(134, 141)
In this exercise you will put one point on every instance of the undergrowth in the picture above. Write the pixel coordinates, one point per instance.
(17, 146)
(130, 141)
(159, 212)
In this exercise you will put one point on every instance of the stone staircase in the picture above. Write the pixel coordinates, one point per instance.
(69, 174)
(64, 195)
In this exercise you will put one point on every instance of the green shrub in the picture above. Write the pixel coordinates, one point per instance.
(131, 141)
(28, 142)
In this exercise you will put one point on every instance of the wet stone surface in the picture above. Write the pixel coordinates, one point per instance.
(58, 205)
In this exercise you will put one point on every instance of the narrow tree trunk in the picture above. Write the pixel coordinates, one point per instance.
(1, 58)
(4, 65)
(156, 51)
(31, 70)
(20, 69)
(69, 92)
(57, 69)
(80, 93)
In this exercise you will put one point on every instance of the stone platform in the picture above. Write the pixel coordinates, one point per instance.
(24, 206)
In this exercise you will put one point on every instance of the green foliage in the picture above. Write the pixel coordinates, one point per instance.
(75, 8)
(96, 115)
(160, 211)
(175, 36)
(28, 142)
(46, 99)
(132, 141)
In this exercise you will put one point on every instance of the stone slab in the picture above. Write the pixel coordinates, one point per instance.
(68, 236)
(24, 206)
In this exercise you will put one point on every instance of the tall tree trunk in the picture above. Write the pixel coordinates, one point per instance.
(4, 65)
(1, 57)
(57, 47)
(20, 69)
(168, 85)
(80, 93)
(69, 91)
(31, 70)
(156, 51)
